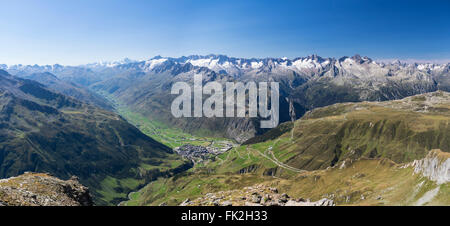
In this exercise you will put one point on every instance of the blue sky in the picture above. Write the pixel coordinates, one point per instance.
(83, 31)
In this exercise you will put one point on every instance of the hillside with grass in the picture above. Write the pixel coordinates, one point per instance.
(353, 153)
(48, 132)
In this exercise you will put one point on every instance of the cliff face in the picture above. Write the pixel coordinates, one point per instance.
(436, 166)
(37, 189)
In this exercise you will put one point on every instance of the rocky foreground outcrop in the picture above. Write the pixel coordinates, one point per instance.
(38, 189)
(258, 195)
(436, 166)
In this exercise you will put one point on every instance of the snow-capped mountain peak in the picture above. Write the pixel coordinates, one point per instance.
(312, 65)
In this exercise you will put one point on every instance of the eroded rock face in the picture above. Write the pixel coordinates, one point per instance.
(258, 195)
(436, 166)
(38, 189)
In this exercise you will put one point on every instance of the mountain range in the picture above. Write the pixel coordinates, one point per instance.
(305, 83)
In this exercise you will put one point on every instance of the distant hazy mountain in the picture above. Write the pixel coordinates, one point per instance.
(70, 89)
(305, 83)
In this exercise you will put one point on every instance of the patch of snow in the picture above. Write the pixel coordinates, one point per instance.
(203, 62)
(256, 65)
(305, 63)
(150, 64)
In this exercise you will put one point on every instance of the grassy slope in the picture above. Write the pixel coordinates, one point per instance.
(388, 133)
(116, 188)
(45, 131)
(121, 152)
(364, 182)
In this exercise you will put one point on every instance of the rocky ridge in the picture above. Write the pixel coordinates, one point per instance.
(39, 189)
(257, 195)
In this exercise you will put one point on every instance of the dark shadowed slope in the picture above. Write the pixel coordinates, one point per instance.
(44, 131)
